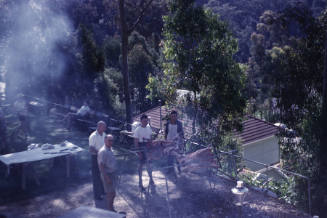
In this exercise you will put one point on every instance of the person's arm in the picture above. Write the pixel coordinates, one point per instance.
(136, 138)
(166, 130)
(149, 137)
(92, 149)
(104, 174)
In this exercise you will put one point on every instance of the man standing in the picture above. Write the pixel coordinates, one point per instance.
(107, 166)
(174, 133)
(142, 139)
(96, 141)
(174, 127)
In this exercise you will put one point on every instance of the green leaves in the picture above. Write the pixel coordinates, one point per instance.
(198, 54)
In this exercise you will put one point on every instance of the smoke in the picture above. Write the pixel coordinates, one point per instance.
(32, 57)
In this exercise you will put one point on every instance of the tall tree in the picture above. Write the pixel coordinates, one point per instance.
(294, 65)
(198, 53)
(125, 32)
(323, 134)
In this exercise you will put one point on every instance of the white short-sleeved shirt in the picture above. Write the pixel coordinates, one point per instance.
(83, 110)
(172, 132)
(143, 134)
(107, 158)
(96, 140)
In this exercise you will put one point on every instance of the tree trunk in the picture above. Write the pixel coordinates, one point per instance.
(195, 113)
(323, 140)
(124, 42)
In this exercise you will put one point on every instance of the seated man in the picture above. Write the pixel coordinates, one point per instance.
(83, 112)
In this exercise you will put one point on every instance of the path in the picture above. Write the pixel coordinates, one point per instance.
(187, 198)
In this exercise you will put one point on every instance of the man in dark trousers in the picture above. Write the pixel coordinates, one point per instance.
(175, 134)
(96, 141)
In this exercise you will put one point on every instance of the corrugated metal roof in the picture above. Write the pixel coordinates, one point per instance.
(154, 116)
(255, 129)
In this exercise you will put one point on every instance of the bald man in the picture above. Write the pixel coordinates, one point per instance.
(96, 141)
(108, 166)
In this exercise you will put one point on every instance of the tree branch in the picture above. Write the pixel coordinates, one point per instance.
(138, 20)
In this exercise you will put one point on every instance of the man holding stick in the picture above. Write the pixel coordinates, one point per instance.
(142, 140)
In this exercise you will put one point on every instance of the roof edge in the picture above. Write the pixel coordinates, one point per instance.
(262, 139)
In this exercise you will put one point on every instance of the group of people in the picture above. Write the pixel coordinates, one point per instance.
(104, 164)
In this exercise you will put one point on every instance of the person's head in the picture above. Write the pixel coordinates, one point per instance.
(101, 127)
(173, 116)
(108, 140)
(144, 120)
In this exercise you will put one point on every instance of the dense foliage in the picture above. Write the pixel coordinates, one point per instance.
(66, 51)
(198, 54)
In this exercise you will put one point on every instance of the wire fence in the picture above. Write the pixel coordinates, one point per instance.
(231, 164)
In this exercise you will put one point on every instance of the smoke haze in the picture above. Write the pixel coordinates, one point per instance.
(31, 52)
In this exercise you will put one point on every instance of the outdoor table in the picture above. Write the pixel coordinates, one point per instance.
(64, 149)
(91, 212)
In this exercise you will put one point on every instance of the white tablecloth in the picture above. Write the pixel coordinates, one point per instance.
(40, 154)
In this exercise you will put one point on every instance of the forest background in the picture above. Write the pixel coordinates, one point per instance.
(261, 57)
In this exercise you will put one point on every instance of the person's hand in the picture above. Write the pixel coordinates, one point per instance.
(92, 150)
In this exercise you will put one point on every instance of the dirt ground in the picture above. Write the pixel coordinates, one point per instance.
(188, 196)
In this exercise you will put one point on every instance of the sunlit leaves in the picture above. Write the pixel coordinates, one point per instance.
(198, 55)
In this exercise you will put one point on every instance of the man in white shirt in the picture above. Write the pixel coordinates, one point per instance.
(174, 128)
(81, 113)
(84, 110)
(96, 141)
(108, 166)
(143, 139)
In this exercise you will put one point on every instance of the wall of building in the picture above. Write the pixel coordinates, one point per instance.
(264, 151)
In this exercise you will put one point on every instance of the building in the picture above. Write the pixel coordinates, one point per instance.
(259, 142)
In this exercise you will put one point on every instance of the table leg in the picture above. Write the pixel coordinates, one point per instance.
(8, 170)
(68, 166)
(24, 176)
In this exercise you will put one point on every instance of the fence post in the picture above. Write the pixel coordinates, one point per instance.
(309, 195)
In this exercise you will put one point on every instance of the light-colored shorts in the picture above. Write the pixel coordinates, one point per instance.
(110, 188)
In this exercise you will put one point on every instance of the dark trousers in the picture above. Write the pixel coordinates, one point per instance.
(171, 161)
(97, 182)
